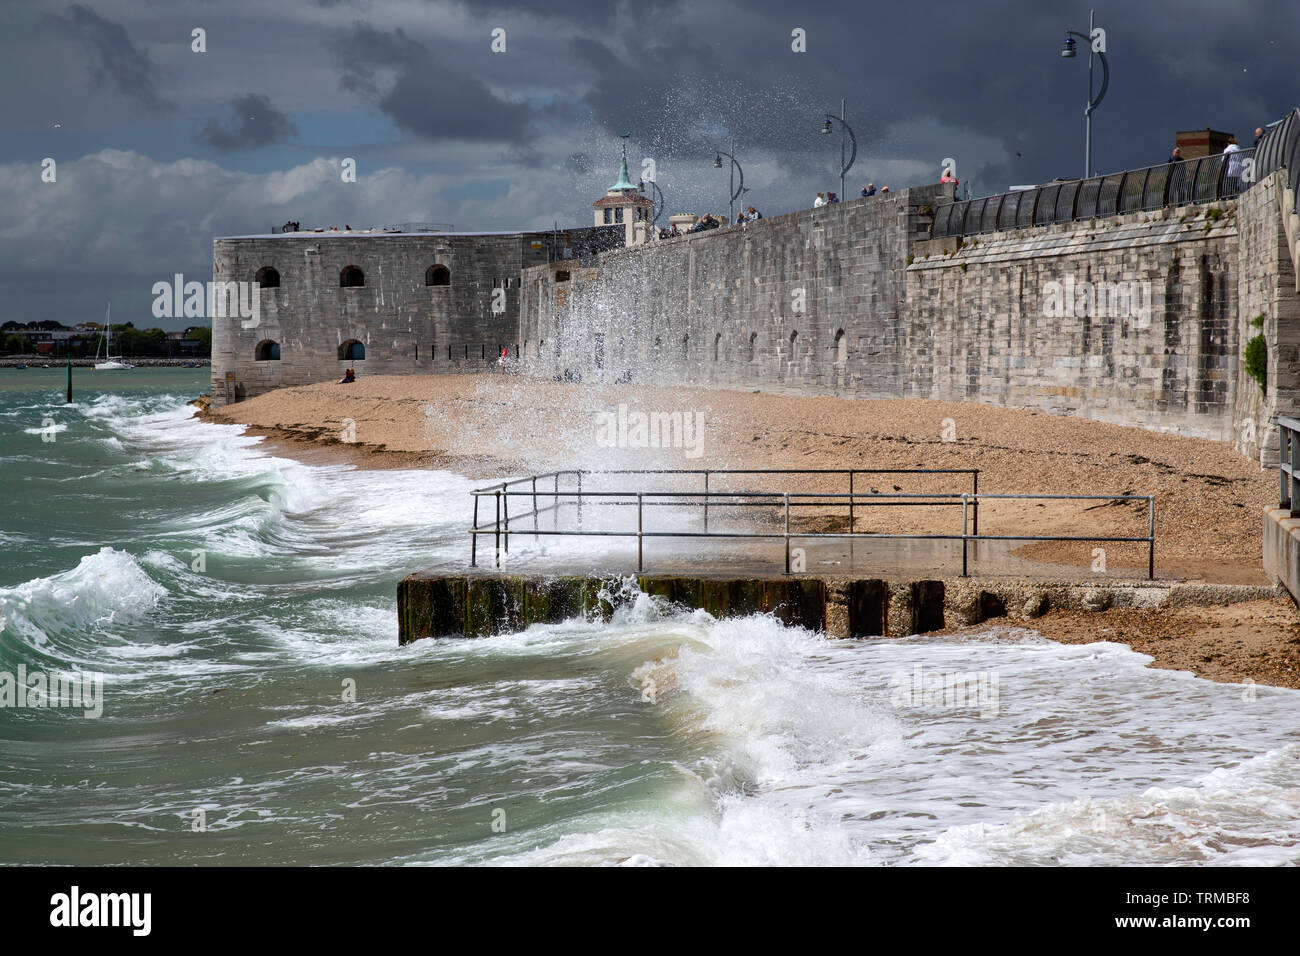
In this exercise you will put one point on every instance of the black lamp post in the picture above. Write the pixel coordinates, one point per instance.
(735, 171)
(658, 197)
(828, 128)
(1069, 51)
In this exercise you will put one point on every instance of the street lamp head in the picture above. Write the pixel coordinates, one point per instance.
(826, 127)
(717, 161)
(1067, 49)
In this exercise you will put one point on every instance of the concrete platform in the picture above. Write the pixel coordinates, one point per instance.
(1282, 549)
(482, 603)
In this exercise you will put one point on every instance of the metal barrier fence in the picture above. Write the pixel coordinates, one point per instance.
(1288, 464)
(1169, 184)
(1279, 148)
(499, 527)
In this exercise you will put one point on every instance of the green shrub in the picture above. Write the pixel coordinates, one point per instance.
(1257, 361)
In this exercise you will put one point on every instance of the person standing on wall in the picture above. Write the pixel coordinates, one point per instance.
(1232, 182)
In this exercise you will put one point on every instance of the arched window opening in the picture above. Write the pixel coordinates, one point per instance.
(267, 278)
(351, 278)
(437, 275)
(717, 341)
(841, 348)
(267, 351)
(352, 351)
(753, 350)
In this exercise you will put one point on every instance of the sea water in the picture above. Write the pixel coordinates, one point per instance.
(239, 608)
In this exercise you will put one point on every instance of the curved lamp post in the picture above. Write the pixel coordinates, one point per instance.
(658, 196)
(1068, 51)
(736, 189)
(828, 128)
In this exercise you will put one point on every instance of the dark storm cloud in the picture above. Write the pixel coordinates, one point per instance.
(531, 137)
(427, 96)
(117, 59)
(255, 122)
(953, 78)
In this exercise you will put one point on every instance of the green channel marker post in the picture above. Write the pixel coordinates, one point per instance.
(69, 395)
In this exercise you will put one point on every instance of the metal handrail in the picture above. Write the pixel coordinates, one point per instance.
(968, 501)
(1288, 464)
(1200, 180)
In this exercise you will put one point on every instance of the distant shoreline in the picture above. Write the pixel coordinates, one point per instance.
(43, 361)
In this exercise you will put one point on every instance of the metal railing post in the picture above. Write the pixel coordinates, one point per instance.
(787, 532)
(555, 509)
(473, 538)
(706, 499)
(579, 474)
(964, 498)
(506, 505)
(850, 501)
(1295, 472)
(640, 528)
(1151, 537)
(975, 505)
(1283, 456)
(498, 530)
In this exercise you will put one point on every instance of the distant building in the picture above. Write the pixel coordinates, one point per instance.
(624, 205)
(1200, 142)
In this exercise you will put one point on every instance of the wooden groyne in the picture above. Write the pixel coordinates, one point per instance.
(435, 604)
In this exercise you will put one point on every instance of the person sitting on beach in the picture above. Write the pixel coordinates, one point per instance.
(349, 376)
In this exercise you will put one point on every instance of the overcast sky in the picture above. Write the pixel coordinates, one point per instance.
(159, 149)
